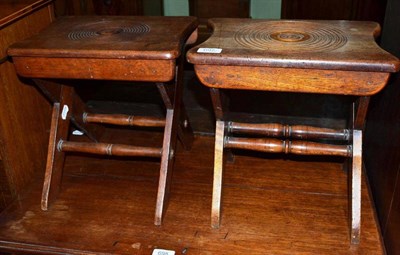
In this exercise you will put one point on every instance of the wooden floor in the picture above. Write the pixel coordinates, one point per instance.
(271, 205)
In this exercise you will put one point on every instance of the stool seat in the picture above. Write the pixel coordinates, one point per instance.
(105, 48)
(297, 56)
(146, 49)
(329, 57)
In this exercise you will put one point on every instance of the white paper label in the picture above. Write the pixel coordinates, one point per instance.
(64, 112)
(162, 252)
(209, 50)
(77, 132)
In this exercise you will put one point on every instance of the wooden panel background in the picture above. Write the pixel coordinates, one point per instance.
(5, 192)
(219, 9)
(24, 115)
(382, 141)
(334, 9)
(99, 7)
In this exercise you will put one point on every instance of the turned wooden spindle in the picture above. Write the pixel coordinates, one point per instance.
(108, 149)
(283, 146)
(124, 120)
(296, 131)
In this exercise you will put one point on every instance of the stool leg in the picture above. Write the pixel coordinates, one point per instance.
(60, 121)
(356, 172)
(185, 132)
(172, 97)
(172, 100)
(220, 103)
(167, 159)
(359, 113)
(218, 167)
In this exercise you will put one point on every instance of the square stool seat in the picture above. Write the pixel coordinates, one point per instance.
(71, 49)
(105, 48)
(321, 57)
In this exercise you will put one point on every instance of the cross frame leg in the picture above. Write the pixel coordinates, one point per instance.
(60, 121)
(167, 158)
(218, 170)
(359, 113)
(220, 103)
(355, 179)
(185, 132)
(174, 129)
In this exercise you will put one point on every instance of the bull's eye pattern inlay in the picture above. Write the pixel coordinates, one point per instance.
(291, 37)
(93, 31)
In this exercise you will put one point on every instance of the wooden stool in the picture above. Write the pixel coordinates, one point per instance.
(327, 57)
(108, 48)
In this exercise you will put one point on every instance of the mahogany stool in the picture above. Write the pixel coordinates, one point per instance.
(326, 57)
(146, 49)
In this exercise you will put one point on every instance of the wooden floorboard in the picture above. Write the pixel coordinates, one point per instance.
(271, 205)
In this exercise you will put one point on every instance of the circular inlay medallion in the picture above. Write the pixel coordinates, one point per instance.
(290, 36)
(107, 29)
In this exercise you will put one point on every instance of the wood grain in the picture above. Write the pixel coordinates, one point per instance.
(109, 149)
(292, 79)
(111, 37)
(295, 131)
(95, 69)
(124, 120)
(273, 145)
(326, 45)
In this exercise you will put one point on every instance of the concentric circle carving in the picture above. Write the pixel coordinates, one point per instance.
(96, 30)
(290, 36)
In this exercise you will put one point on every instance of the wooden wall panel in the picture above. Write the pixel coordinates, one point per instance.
(392, 231)
(205, 9)
(334, 9)
(219, 9)
(99, 7)
(317, 9)
(382, 141)
(5, 192)
(24, 113)
(382, 146)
